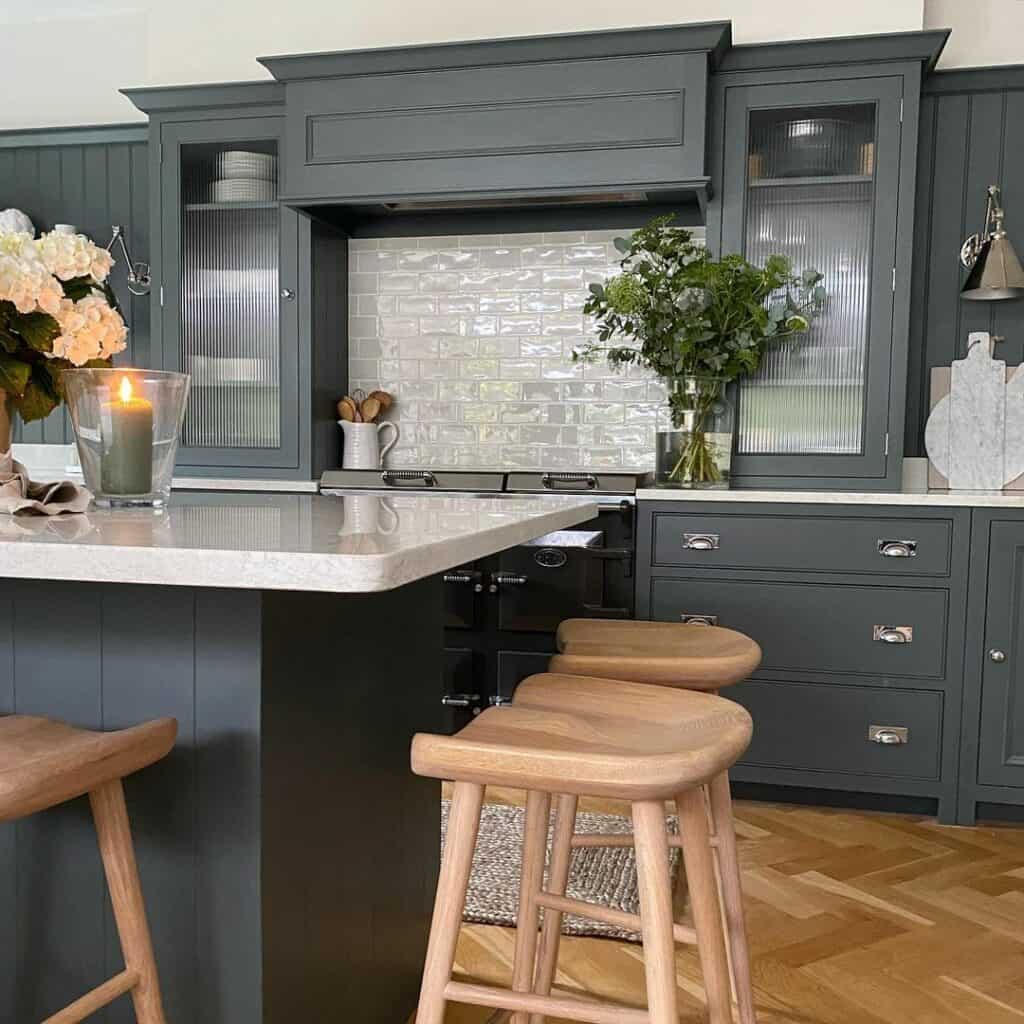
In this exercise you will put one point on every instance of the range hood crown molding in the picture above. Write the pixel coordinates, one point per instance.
(712, 37)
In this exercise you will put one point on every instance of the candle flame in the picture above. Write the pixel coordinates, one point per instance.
(126, 389)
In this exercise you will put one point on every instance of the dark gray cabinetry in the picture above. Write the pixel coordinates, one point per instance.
(814, 156)
(559, 114)
(992, 767)
(860, 614)
(237, 300)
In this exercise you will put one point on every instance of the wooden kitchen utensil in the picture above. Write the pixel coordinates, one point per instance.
(370, 409)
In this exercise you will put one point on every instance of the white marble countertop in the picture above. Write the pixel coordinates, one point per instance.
(355, 544)
(964, 499)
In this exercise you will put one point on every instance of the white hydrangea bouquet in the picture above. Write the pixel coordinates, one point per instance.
(56, 310)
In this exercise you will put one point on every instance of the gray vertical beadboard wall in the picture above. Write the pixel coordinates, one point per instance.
(972, 136)
(92, 178)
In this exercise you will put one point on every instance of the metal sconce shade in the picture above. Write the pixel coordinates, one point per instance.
(995, 270)
(997, 273)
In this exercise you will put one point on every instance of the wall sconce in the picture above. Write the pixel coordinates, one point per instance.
(139, 278)
(995, 271)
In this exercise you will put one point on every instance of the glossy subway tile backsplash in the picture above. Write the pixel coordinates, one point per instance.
(474, 336)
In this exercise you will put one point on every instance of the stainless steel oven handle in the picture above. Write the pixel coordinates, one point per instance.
(403, 477)
(460, 700)
(552, 480)
(465, 577)
(507, 579)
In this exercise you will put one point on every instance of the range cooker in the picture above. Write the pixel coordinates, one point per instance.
(501, 612)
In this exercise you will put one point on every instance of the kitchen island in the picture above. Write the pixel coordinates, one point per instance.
(287, 853)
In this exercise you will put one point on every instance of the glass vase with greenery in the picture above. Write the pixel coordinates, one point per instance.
(699, 322)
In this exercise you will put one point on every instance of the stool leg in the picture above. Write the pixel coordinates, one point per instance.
(115, 841)
(707, 915)
(531, 882)
(651, 841)
(732, 894)
(558, 879)
(450, 901)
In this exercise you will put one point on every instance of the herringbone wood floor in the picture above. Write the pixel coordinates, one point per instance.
(854, 918)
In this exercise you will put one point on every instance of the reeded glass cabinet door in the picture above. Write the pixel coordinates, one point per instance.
(812, 173)
(223, 318)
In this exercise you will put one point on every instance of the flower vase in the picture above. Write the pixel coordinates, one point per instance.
(697, 449)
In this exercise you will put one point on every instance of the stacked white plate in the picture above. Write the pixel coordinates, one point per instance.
(244, 177)
(242, 190)
(239, 163)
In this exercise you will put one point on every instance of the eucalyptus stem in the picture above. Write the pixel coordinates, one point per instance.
(696, 462)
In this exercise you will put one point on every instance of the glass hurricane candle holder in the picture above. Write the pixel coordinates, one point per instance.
(127, 423)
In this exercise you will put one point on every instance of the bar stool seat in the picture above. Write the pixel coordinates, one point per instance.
(619, 740)
(44, 763)
(691, 657)
(634, 742)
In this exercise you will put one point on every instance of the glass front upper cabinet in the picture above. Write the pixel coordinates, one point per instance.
(812, 173)
(223, 320)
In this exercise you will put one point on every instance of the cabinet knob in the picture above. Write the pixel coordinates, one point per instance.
(288, 293)
(997, 656)
(698, 620)
(700, 541)
(897, 548)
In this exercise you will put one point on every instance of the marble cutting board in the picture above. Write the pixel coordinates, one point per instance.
(975, 435)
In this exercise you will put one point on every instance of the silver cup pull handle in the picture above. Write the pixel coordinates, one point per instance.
(701, 541)
(889, 735)
(897, 548)
(893, 634)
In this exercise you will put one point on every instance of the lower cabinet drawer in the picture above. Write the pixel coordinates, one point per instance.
(821, 727)
(892, 632)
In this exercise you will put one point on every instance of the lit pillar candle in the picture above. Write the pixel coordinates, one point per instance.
(128, 443)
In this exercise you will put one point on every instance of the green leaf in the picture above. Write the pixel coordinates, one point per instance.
(14, 375)
(39, 397)
(36, 329)
(78, 287)
(8, 342)
(597, 290)
(622, 244)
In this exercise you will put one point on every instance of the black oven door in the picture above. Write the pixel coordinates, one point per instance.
(463, 593)
(568, 574)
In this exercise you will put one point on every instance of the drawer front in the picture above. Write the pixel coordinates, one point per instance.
(819, 727)
(893, 547)
(817, 627)
(610, 122)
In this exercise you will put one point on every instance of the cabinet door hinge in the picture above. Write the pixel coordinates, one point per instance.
(885, 448)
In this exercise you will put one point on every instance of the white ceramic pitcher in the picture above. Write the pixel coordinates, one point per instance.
(362, 448)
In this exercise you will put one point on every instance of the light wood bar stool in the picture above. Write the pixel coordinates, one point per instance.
(42, 764)
(624, 741)
(683, 655)
(671, 654)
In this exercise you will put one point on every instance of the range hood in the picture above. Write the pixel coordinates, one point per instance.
(582, 120)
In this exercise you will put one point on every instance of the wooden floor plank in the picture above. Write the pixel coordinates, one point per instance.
(854, 918)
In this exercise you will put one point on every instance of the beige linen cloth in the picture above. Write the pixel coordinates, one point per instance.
(21, 497)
